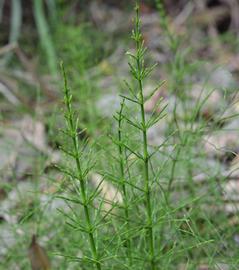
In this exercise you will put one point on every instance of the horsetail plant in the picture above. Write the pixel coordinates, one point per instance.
(136, 95)
(80, 177)
(139, 72)
(119, 118)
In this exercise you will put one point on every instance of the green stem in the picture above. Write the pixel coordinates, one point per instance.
(44, 34)
(147, 185)
(139, 63)
(124, 189)
(73, 130)
(16, 23)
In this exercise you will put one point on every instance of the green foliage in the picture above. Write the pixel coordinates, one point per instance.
(140, 216)
(16, 22)
(165, 220)
(79, 177)
(148, 229)
(74, 45)
(44, 35)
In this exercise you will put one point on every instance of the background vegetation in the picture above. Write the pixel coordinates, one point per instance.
(138, 167)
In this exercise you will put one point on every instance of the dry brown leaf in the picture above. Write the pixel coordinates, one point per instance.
(38, 257)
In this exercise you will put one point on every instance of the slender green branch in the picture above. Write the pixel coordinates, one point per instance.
(45, 38)
(73, 127)
(140, 73)
(123, 180)
(16, 23)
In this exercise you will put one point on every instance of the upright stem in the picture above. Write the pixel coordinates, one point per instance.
(147, 188)
(72, 125)
(124, 189)
(44, 35)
